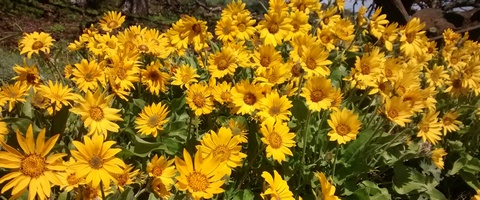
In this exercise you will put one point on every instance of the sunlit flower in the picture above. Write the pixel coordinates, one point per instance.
(430, 128)
(279, 140)
(34, 43)
(222, 92)
(275, 108)
(58, 94)
(199, 99)
(245, 26)
(87, 75)
(96, 161)
(111, 20)
(96, 113)
(450, 123)
(127, 177)
(202, 178)
(151, 119)
(437, 157)
(345, 126)
(154, 79)
(277, 188)
(33, 169)
(327, 189)
(274, 28)
(397, 111)
(185, 75)
(222, 63)
(14, 93)
(318, 93)
(246, 96)
(27, 74)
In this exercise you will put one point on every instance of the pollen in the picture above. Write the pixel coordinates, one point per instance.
(96, 162)
(275, 140)
(198, 181)
(96, 113)
(37, 45)
(33, 165)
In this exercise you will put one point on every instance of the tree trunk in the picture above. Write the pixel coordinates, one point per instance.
(136, 6)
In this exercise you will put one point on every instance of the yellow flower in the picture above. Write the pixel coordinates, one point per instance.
(199, 99)
(124, 70)
(96, 113)
(277, 6)
(222, 93)
(275, 108)
(3, 130)
(344, 30)
(378, 23)
(328, 190)
(127, 177)
(225, 30)
(88, 192)
(246, 96)
(13, 93)
(367, 69)
(276, 188)
(345, 126)
(306, 6)
(202, 178)
(87, 75)
(237, 128)
(58, 95)
(112, 20)
(222, 63)
(152, 119)
(245, 26)
(265, 57)
(96, 161)
(33, 169)
(185, 75)
(224, 146)
(397, 111)
(361, 20)
(274, 28)
(195, 31)
(430, 128)
(436, 76)
(315, 61)
(27, 74)
(318, 93)
(276, 75)
(477, 196)
(450, 123)
(437, 157)
(236, 7)
(413, 38)
(34, 43)
(340, 5)
(278, 139)
(160, 188)
(300, 24)
(390, 35)
(162, 168)
(69, 178)
(154, 79)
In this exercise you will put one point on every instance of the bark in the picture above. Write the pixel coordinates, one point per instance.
(136, 6)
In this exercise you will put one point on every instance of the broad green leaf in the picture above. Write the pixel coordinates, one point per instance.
(371, 191)
(299, 109)
(63, 196)
(470, 179)
(353, 148)
(407, 180)
(127, 194)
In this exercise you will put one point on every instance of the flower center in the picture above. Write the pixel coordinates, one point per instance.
(424, 127)
(273, 28)
(296, 70)
(186, 78)
(72, 179)
(88, 77)
(37, 45)
(265, 61)
(31, 78)
(122, 179)
(198, 181)
(96, 113)
(90, 193)
(411, 37)
(226, 96)
(153, 121)
(365, 69)
(96, 162)
(226, 30)
(317, 95)
(153, 75)
(275, 140)
(198, 100)
(447, 121)
(222, 64)
(121, 73)
(311, 64)
(275, 110)
(112, 24)
(197, 29)
(342, 129)
(32, 165)
(157, 171)
(296, 27)
(222, 152)
(249, 98)
(241, 27)
(143, 48)
(457, 83)
(392, 113)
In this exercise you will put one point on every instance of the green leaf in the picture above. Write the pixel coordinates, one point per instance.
(299, 109)
(142, 148)
(18, 123)
(177, 104)
(371, 191)
(353, 148)
(407, 180)
(63, 195)
(458, 165)
(60, 120)
(127, 194)
(470, 179)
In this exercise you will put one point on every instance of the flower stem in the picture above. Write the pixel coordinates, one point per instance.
(337, 148)
(103, 192)
(305, 134)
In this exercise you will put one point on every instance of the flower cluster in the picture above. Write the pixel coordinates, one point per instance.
(262, 107)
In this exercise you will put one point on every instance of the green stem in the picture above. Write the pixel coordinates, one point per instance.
(140, 192)
(300, 85)
(388, 144)
(337, 148)
(103, 192)
(305, 134)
